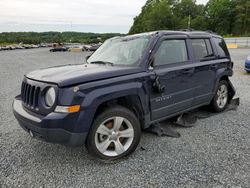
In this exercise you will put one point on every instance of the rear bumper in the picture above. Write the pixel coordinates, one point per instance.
(37, 126)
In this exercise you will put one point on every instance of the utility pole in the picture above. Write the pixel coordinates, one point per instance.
(245, 21)
(189, 22)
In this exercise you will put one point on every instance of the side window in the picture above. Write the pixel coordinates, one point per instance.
(171, 51)
(202, 48)
(221, 47)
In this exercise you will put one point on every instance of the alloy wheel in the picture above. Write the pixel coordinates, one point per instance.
(222, 96)
(114, 136)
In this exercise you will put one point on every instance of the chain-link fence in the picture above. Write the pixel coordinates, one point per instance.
(243, 42)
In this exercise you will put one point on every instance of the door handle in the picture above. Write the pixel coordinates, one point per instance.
(214, 66)
(188, 71)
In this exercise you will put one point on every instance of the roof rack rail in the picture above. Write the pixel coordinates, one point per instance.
(186, 30)
(210, 31)
(192, 30)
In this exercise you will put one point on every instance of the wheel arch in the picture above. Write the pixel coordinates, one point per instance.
(131, 102)
(231, 88)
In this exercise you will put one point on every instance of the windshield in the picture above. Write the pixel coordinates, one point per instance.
(121, 51)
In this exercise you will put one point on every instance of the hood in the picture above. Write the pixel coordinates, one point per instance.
(81, 73)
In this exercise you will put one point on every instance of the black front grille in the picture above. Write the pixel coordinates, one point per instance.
(247, 66)
(30, 95)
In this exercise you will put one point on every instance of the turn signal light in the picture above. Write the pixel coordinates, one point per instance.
(68, 109)
(74, 109)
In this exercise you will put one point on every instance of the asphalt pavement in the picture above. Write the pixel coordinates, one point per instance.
(214, 153)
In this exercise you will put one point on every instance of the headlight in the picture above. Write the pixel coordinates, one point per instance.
(50, 97)
(248, 58)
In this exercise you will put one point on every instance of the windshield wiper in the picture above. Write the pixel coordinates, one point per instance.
(102, 62)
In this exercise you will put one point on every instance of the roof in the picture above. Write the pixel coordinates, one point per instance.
(182, 32)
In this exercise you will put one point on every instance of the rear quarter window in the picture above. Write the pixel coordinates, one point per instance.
(221, 47)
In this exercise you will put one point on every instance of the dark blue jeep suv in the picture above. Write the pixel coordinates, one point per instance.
(128, 84)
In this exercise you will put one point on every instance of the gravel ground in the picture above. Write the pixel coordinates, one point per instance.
(215, 153)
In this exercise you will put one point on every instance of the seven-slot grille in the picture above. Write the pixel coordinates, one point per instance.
(30, 95)
(247, 66)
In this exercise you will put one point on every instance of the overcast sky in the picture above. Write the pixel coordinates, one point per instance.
(70, 15)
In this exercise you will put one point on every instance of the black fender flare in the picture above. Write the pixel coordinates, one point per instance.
(225, 76)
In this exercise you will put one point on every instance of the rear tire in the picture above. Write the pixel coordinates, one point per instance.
(221, 98)
(115, 133)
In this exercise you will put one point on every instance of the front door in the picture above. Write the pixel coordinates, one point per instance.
(172, 88)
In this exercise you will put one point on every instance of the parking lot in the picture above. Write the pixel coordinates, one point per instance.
(214, 153)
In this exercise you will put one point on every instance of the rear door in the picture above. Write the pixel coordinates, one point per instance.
(205, 69)
(172, 87)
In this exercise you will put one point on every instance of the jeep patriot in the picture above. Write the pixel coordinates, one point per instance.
(128, 84)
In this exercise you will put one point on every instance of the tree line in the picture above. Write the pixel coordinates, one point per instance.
(53, 37)
(225, 17)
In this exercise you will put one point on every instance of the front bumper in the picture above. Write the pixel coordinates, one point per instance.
(47, 128)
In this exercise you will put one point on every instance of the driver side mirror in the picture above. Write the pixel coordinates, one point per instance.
(157, 85)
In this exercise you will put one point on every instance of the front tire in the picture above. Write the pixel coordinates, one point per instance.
(221, 98)
(114, 134)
